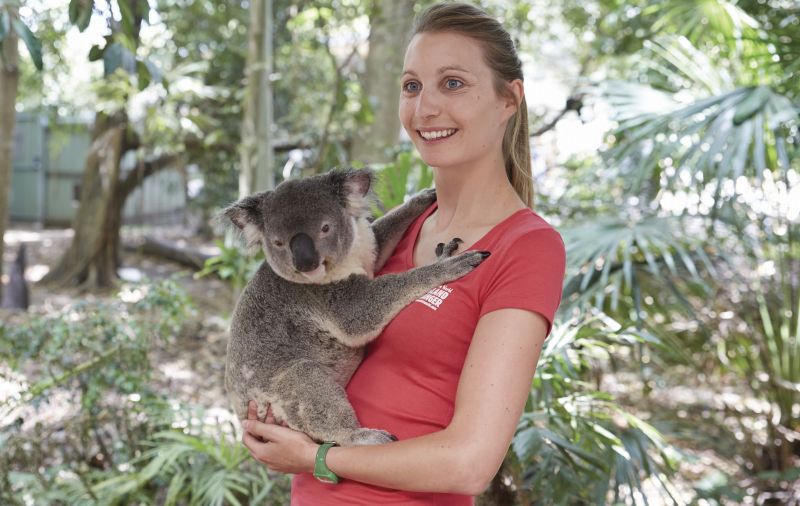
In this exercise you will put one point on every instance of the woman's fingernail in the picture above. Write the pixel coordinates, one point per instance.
(245, 424)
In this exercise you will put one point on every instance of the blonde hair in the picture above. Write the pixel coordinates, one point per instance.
(501, 56)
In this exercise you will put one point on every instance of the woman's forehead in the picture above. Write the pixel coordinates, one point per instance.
(440, 52)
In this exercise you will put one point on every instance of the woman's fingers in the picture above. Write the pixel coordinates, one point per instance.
(270, 418)
(266, 431)
(252, 410)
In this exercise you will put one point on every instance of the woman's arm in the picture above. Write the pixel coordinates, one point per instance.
(462, 458)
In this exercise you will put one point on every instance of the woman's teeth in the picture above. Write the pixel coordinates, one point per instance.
(429, 136)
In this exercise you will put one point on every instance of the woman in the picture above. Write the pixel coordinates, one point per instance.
(450, 375)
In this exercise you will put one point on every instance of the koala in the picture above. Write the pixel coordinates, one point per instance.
(300, 325)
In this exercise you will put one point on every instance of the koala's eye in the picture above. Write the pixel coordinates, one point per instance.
(277, 243)
(326, 228)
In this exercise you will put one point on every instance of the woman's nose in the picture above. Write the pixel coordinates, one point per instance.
(428, 104)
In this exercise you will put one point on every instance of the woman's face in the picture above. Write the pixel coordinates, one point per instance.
(448, 102)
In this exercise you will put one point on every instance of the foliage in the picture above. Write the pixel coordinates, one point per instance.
(116, 442)
(574, 443)
(406, 175)
(196, 469)
(10, 21)
(704, 146)
(76, 347)
(233, 264)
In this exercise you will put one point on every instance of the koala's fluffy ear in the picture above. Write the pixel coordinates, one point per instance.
(357, 185)
(248, 215)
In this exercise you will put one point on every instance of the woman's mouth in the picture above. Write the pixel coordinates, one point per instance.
(437, 135)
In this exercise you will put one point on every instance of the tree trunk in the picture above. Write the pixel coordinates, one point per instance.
(390, 24)
(257, 170)
(92, 259)
(9, 80)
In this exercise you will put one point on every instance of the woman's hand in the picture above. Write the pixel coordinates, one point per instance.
(279, 448)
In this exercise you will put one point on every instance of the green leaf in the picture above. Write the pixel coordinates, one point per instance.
(80, 13)
(115, 56)
(112, 58)
(33, 44)
(96, 53)
(752, 104)
(127, 19)
(143, 73)
(74, 6)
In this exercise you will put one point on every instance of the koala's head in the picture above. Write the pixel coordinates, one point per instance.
(312, 230)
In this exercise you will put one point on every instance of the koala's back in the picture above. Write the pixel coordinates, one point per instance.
(275, 324)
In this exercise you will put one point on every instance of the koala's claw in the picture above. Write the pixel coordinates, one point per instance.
(368, 437)
(446, 251)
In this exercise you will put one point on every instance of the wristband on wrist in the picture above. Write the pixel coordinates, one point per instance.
(321, 471)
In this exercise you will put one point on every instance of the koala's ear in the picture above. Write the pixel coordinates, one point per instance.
(357, 182)
(356, 187)
(248, 215)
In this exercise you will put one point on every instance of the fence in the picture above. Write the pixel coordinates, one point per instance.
(46, 175)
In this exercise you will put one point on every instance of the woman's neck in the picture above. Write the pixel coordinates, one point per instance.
(473, 197)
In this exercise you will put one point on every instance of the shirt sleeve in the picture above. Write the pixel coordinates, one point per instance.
(529, 276)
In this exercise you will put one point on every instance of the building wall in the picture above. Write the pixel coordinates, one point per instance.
(47, 170)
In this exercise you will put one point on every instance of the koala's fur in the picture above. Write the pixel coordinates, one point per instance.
(299, 327)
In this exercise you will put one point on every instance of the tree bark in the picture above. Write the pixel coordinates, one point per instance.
(9, 81)
(176, 252)
(390, 24)
(92, 257)
(257, 171)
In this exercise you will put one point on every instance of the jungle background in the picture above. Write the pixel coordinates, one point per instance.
(665, 139)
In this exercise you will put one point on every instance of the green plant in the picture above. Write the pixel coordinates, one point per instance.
(407, 175)
(233, 264)
(97, 355)
(196, 469)
(574, 442)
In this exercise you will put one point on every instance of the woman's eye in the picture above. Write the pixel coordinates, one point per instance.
(412, 86)
(326, 228)
(453, 84)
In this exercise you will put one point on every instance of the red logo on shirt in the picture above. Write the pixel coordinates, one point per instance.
(436, 296)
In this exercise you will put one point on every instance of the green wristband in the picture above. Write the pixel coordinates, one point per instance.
(321, 471)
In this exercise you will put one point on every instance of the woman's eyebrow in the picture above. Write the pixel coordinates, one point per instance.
(446, 68)
(441, 70)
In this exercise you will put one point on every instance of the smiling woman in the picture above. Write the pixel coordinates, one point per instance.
(449, 376)
(454, 110)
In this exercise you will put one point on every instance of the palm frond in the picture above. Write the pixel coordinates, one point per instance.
(609, 258)
(707, 128)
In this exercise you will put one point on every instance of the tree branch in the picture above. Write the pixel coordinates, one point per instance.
(148, 168)
(574, 103)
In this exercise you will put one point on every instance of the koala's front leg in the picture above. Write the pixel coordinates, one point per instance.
(313, 402)
(362, 307)
(389, 229)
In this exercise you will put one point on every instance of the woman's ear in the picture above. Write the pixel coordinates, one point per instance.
(513, 96)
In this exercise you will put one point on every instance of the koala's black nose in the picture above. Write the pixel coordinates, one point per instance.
(303, 252)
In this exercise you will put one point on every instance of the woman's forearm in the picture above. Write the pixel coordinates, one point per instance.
(438, 462)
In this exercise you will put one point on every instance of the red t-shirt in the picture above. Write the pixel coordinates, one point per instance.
(408, 379)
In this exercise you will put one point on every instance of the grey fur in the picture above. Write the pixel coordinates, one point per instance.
(297, 338)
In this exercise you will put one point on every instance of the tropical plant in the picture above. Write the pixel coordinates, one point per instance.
(575, 444)
(707, 137)
(196, 469)
(97, 356)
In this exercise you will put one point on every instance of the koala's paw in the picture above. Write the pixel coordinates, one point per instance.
(424, 198)
(367, 437)
(446, 250)
(459, 265)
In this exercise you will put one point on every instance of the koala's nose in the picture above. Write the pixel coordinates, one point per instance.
(303, 252)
